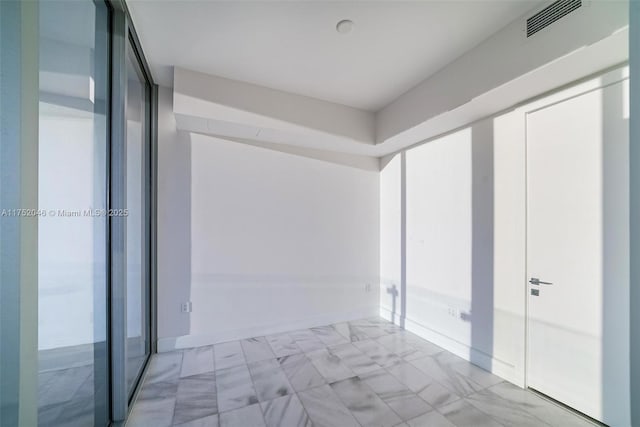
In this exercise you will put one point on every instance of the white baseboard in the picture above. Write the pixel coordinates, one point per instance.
(198, 340)
(500, 368)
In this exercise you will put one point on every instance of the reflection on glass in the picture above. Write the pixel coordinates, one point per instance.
(137, 295)
(72, 256)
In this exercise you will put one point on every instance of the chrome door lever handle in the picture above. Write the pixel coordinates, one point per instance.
(536, 281)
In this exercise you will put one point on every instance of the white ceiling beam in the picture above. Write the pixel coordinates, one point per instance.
(202, 95)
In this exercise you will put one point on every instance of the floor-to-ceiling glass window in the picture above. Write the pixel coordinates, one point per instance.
(137, 247)
(72, 225)
(74, 91)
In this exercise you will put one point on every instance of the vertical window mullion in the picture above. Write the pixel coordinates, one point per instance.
(117, 200)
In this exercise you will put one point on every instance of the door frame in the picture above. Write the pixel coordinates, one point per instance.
(124, 34)
(593, 82)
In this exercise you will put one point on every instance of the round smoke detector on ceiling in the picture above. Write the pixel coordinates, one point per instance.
(345, 26)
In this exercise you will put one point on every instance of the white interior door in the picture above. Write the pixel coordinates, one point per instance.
(577, 229)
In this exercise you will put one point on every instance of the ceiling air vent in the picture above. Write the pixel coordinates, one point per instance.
(551, 14)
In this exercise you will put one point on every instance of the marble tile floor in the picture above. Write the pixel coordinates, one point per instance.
(68, 395)
(362, 373)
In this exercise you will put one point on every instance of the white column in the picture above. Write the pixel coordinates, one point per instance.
(18, 234)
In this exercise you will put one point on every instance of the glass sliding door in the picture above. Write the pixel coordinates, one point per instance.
(137, 225)
(73, 377)
(130, 203)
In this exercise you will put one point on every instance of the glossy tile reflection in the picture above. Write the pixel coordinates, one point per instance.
(359, 373)
(300, 371)
(283, 345)
(256, 349)
(399, 397)
(326, 409)
(228, 355)
(285, 411)
(269, 379)
(330, 366)
(235, 388)
(196, 398)
(365, 405)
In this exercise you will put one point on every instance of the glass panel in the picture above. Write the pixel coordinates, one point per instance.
(72, 255)
(137, 148)
(12, 33)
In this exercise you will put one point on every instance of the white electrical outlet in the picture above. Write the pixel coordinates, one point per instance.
(367, 287)
(186, 307)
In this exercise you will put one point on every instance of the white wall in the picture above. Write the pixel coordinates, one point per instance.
(466, 239)
(277, 241)
(174, 221)
(391, 244)
(438, 186)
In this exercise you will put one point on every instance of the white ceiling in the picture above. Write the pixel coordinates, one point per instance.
(293, 45)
